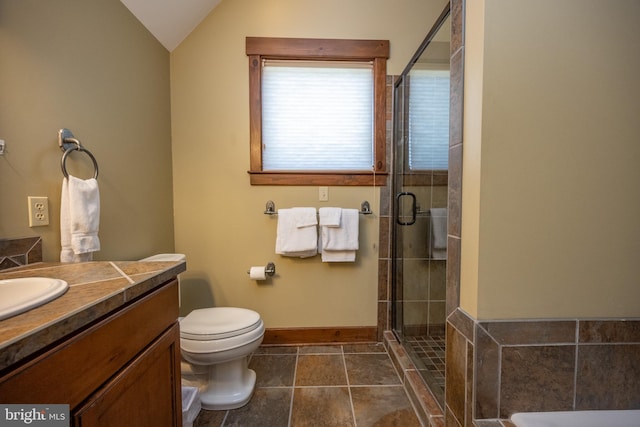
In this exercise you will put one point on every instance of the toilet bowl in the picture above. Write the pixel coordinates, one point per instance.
(217, 342)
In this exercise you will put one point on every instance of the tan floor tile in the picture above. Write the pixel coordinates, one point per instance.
(268, 407)
(370, 369)
(321, 406)
(273, 370)
(320, 370)
(383, 406)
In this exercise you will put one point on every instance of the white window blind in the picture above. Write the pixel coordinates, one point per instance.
(429, 119)
(317, 116)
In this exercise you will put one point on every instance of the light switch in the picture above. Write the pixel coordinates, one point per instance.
(323, 194)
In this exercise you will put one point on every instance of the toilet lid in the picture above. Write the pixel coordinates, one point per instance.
(218, 322)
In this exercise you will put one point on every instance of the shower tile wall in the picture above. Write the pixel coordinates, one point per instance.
(424, 303)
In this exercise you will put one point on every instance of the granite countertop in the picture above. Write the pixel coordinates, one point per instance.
(95, 289)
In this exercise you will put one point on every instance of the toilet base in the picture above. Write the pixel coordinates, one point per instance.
(230, 385)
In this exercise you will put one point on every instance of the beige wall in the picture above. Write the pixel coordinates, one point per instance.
(93, 68)
(219, 222)
(550, 190)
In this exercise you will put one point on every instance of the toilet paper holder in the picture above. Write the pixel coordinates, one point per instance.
(269, 269)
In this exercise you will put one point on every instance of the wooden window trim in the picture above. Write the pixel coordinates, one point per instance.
(260, 48)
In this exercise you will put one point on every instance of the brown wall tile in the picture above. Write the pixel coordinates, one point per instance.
(463, 323)
(609, 331)
(456, 372)
(469, 404)
(533, 332)
(608, 377)
(383, 280)
(487, 375)
(384, 239)
(455, 191)
(537, 378)
(456, 98)
(453, 275)
(457, 25)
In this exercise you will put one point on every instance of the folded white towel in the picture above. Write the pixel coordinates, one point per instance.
(338, 256)
(438, 243)
(294, 240)
(344, 237)
(330, 217)
(304, 217)
(339, 244)
(79, 219)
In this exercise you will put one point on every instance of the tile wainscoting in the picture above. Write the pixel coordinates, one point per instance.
(497, 368)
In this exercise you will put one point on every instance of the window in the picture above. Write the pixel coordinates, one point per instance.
(429, 119)
(317, 111)
(317, 116)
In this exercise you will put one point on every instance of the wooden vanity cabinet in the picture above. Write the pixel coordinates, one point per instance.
(122, 371)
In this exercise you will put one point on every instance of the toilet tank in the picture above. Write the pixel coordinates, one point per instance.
(168, 257)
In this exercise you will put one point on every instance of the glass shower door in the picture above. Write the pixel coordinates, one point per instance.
(421, 141)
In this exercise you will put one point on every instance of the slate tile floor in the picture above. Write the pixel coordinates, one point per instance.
(429, 358)
(327, 385)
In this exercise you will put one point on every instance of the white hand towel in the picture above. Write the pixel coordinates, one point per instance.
(304, 217)
(438, 243)
(339, 244)
(293, 240)
(344, 237)
(79, 219)
(330, 217)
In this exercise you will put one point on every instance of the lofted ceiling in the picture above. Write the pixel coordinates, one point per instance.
(170, 21)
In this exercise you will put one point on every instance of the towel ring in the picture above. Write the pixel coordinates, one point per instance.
(78, 147)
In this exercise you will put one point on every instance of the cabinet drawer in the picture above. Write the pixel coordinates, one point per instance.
(70, 372)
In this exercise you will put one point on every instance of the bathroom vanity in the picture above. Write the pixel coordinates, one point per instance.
(109, 347)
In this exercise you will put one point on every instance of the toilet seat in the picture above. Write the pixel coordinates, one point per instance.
(219, 329)
(218, 323)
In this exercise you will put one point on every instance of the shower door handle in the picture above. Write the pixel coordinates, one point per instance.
(414, 210)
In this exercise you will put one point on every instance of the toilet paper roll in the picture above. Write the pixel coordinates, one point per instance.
(257, 273)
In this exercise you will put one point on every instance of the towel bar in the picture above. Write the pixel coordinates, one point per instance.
(270, 209)
(67, 144)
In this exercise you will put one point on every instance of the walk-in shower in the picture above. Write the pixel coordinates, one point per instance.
(420, 177)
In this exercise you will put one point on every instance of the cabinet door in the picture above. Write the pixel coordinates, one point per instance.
(147, 392)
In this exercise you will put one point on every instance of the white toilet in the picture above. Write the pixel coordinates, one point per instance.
(221, 339)
(216, 344)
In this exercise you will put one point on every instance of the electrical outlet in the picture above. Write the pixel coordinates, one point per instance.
(38, 211)
(323, 194)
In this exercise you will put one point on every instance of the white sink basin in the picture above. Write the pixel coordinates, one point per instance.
(20, 295)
